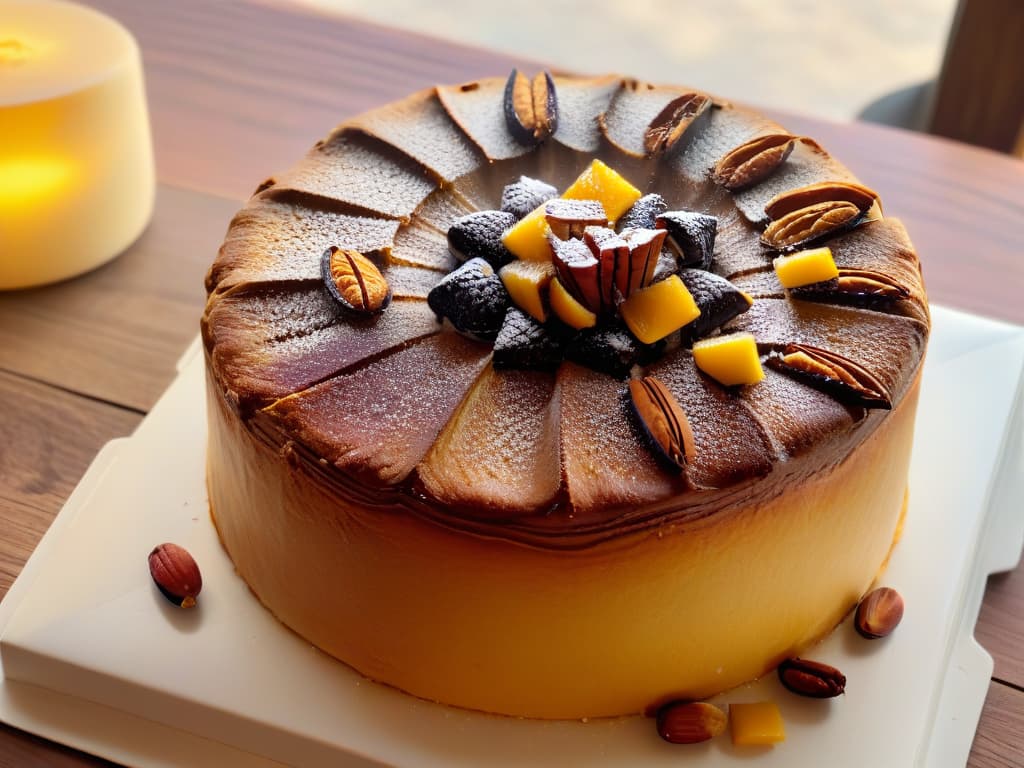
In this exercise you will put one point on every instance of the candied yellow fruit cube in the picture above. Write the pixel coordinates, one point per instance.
(805, 267)
(568, 309)
(527, 286)
(757, 723)
(601, 183)
(730, 359)
(527, 239)
(652, 313)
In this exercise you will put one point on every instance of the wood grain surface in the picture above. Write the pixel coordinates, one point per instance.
(239, 90)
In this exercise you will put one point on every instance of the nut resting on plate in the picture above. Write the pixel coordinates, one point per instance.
(879, 613)
(690, 722)
(176, 574)
(811, 678)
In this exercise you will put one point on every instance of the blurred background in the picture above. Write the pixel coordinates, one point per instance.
(875, 60)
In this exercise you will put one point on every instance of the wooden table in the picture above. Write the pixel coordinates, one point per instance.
(241, 89)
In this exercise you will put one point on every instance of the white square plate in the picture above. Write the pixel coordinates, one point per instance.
(91, 655)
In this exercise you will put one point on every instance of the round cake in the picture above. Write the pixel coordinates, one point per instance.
(557, 397)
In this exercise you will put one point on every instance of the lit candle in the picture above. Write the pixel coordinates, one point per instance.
(76, 160)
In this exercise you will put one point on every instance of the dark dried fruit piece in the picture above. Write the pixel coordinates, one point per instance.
(523, 342)
(176, 574)
(663, 421)
(609, 249)
(523, 196)
(478, 235)
(718, 299)
(859, 287)
(671, 123)
(842, 378)
(531, 107)
(568, 218)
(806, 226)
(879, 613)
(690, 722)
(644, 212)
(754, 161)
(636, 271)
(473, 298)
(610, 349)
(811, 678)
(691, 236)
(354, 281)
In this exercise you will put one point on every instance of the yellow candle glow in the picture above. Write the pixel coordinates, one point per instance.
(76, 161)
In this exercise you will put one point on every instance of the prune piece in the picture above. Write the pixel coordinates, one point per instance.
(524, 343)
(644, 213)
(719, 302)
(691, 236)
(523, 196)
(473, 298)
(478, 235)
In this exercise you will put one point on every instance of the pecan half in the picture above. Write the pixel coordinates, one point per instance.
(823, 192)
(805, 226)
(753, 161)
(663, 420)
(671, 123)
(531, 107)
(811, 678)
(839, 376)
(354, 281)
(860, 287)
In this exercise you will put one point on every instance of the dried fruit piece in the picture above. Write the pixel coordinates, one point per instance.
(671, 123)
(525, 343)
(568, 218)
(568, 309)
(753, 161)
(691, 236)
(719, 302)
(176, 574)
(473, 299)
(577, 268)
(644, 212)
(654, 312)
(811, 224)
(478, 235)
(682, 722)
(756, 724)
(354, 281)
(730, 360)
(844, 379)
(527, 285)
(879, 613)
(531, 107)
(802, 268)
(608, 348)
(521, 197)
(663, 421)
(528, 239)
(601, 183)
(610, 249)
(859, 287)
(811, 678)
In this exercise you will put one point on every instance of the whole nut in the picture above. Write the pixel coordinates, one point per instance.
(682, 722)
(354, 281)
(811, 678)
(176, 574)
(879, 613)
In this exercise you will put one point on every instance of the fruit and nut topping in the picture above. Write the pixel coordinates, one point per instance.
(754, 161)
(531, 107)
(175, 574)
(663, 421)
(841, 377)
(669, 125)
